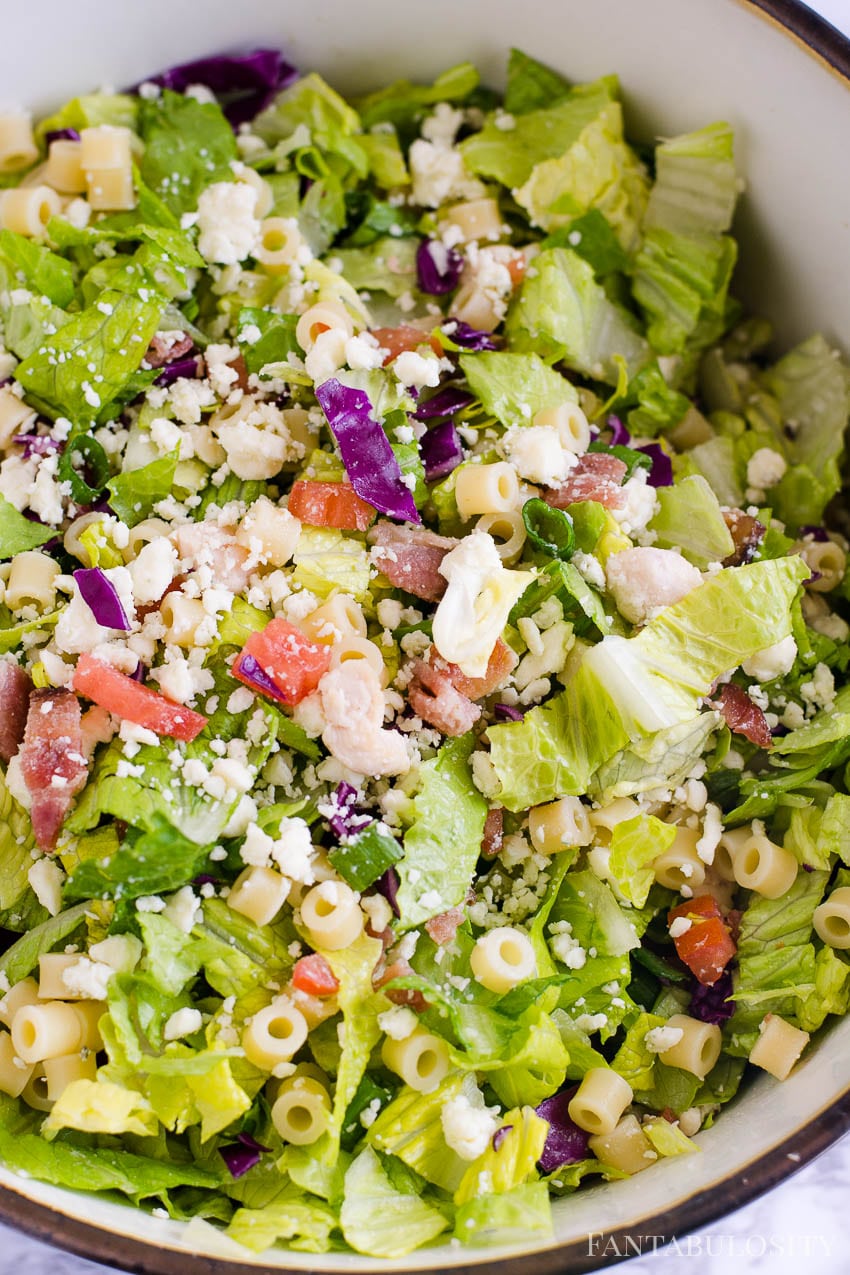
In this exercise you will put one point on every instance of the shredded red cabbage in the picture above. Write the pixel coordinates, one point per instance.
(245, 83)
(140, 674)
(346, 819)
(500, 1135)
(565, 1142)
(661, 473)
(507, 713)
(242, 1155)
(365, 450)
(468, 337)
(442, 451)
(61, 135)
(817, 533)
(437, 267)
(188, 368)
(711, 1004)
(620, 436)
(387, 885)
(100, 594)
(36, 444)
(444, 403)
(252, 671)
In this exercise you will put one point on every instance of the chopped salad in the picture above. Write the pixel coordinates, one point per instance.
(423, 706)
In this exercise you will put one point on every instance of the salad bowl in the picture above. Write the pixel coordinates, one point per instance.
(781, 77)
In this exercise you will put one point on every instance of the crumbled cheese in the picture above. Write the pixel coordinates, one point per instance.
(87, 978)
(442, 126)
(364, 353)
(183, 909)
(440, 175)
(820, 691)
(639, 507)
(152, 571)
(46, 878)
(772, 662)
(293, 851)
(183, 1022)
(712, 831)
(537, 453)
(227, 222)
(679, 926)
(416, 369)
(660, 1039)
(468, 1127)
(398, 1023)
(150, 903)
(764, 469)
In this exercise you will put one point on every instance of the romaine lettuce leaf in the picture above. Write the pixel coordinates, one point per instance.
(510, 1164)
(99, 1106)
(403, 104)
(36, 267)
(379, 1219)
(689, 518)
(120, 110)
(662, 760)
(532, 85)
(514, 387)
(303, 1222)
(134, 492)
(21, 958)
(410, 1127)
(386, 265)
(188, 146)
(519, 1216)
(635, 844)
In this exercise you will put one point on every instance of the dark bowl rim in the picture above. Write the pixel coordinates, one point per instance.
(776, 1165)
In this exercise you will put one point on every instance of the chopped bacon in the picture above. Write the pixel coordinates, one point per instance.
(15, 687)
(444, 927)
(410, 558)
(597, 476)
(166, 349)
(747, 534)
(432, 697)
(743, 717)
(240, 367)
(502, 662)
(494, 828)
(398, 995)
(53, 765)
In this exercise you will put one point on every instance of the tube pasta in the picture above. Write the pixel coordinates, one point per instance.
(274, 1034)
(142, 534)
(626, 1147)
(59, 1073)
(64, 168)
(337, 618)
(486, 489)
(182, 617)
(508, 532)
(832, 919)
(680, 866)
(23, 993)
(828, 560)
(89, 1014)
(732, 840)
(51, 967)
(559, 825)
(502, 958)
(105, 147)
(46, 1031)
(778, 1047)
(110, 189)
(764, 867)
(321, 318)
(475, 219)
(570, 422)
(301, 1110)
(15, 416)
(605, 820)
(271, 527)
(28, 209)
(600, 1100)
(259, 893)
(264, 193)
(281, 243)
(17, 143)
(331, 915)
(35, 1091)
(698, 1049)
(14, 1072)
(475, 305)
(354, 647)
(421, 1059)
(32, 581)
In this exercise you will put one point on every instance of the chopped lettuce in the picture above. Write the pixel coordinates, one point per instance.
(689, 518)
(381, 1219)
(134, 492)
(518, 1216)
(403, 104)
(98, 1106)
(36, 267)
(514, 387)
(410, 1127)
(188, 146)
(304, 1222)
(532, 85)
(635, 845)
(510, 1164)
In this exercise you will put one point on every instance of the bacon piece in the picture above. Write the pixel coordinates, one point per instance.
(399, 995)
(167, 349)
(53, 764)
(15, 687)
(444, 927)
(432, 697)
(743, 717)
(598, 476)
(502, 662)
(494, 828)
(747, 534)
(410, 558)
(240, 367)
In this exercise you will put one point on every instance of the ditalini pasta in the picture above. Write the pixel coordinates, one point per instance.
(423, 653)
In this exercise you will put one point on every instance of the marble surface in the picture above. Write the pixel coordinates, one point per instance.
(801, 1224)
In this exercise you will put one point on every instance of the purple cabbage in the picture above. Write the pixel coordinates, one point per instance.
(441, 450)
(500, 1135)
(346, 819)
(242, 1155)
(820, 534)
(387, 885)
(246, 83)
(620, 436)
(37, 444)
(140, 673)
(444, 403)
(467, 337)
(251, 671)
(507, 713)
(711, 1004)
(365, 449)
(101, 596)
(437, 267)
(61, 135)
(661, 473)
(565, 1142)
(188, 367)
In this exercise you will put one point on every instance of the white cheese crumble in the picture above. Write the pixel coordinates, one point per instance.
(183, 1022)
(660, 1039)
(227, 223)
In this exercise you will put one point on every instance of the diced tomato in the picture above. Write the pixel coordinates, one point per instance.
(706, 947)
(313, 975)
(118, 694)
(516, 267)
(404, 337)
(281, 662)
(330, 505)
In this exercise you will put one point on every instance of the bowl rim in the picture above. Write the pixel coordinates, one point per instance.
(817, 36)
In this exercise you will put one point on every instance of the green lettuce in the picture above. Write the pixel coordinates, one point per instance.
(17, 533)
(410, 1127)
(381, 1219)
(519, 1216)
(831, 994)
(532, 85)
(442, 845)
(36, 267)
(662, 760)
(99, 1106)
(635, 845)
(21, 958)
(510, 1164)
(388, 264)
(120, 110)
(304, 1223)
(514, 387)
(634, 1061)
(188, 146)
(134, 492)
(403, 104)
(629, 688)
(689, 518)
(326, 560)
(563, 313)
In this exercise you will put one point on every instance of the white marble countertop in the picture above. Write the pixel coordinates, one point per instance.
(800, 1224)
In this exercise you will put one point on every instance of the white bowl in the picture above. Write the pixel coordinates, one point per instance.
(782, 78)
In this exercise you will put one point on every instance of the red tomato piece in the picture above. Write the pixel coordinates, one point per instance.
(118, 694)
(516, 267)
(706, 947)
(330, 505)
(281, 662)
(404, 337)
(313, 975)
